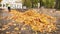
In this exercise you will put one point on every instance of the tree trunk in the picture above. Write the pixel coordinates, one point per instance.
(41, 3)
(0, 0)
(57, 5)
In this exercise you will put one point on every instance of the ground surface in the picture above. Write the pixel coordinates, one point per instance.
(3, 22)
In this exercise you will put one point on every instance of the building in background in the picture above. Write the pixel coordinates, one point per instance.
(14, 4)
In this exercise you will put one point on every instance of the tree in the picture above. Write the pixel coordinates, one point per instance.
(57, 5)
(30, 3)
(34, 3)
(27, 3)
(47, 3)
(41, 3)
(0, 0)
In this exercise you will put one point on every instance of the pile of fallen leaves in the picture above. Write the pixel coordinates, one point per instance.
(37, 21)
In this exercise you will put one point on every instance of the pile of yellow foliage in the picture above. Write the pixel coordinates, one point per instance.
(37, 21)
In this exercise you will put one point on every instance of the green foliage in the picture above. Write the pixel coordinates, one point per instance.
(57, 5)
(49, 3)
(0, 5)
(30, 3)
(27, 3)
(33, 3)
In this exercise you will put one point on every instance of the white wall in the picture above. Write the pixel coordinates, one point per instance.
(8, 1)
(16, 5)
(13, 4)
